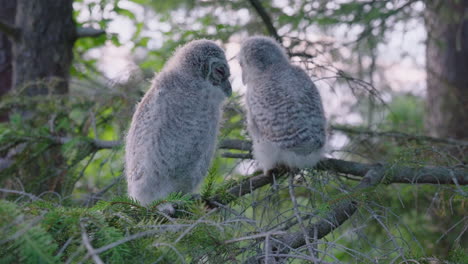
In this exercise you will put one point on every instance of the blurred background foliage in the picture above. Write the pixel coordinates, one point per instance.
(346, 48)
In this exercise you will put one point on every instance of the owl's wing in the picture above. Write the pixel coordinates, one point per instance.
(287, 110)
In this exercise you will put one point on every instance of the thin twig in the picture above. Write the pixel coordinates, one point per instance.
(91, 251)
(292, 195)
(397, 134)
(30, 196)
(257, 236)
(186, 231)
(23, 231)
(173, 248)
(266, 19)
(337, 216)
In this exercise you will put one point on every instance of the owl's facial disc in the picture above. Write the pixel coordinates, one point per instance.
(219, 76)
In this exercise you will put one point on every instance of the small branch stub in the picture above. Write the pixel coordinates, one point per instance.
(83, 32)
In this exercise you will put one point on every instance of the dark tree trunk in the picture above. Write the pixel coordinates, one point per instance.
(447, 96)
(7, 15)
(42, 57)
(43, 54)
(447, 68)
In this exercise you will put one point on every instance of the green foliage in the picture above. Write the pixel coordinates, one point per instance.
(53, 141)
(35, 232)
(406, 113)
(22, 241)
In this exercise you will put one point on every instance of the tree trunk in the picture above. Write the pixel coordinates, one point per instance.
(447, 95)
(447, 68)
(7, 15)
(42, 57)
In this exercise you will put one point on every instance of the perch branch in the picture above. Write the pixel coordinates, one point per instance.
(244, 187)
(393, 173)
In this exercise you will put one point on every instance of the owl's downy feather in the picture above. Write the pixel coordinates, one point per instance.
(285, 113)
(173, 132)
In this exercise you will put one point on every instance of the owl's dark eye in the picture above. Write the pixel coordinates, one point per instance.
(221, 71)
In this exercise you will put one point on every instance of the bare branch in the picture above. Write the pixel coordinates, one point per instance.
(23, 231)
(337, 216)
(94, 197)
(231, 155)
(30, 196)
(91, 251)
(83, 32)
(396, 134)
(256, 236)
(244, 187)
(99, 144)
(266, 19)
(125, 240)
(182, 260)
(235, 144)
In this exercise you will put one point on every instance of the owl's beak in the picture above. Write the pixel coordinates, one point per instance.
(226, 87)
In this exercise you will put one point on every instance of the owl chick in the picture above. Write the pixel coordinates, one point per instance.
(173, 132)
(285, 116)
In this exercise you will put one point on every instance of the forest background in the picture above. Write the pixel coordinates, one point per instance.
(393, 76)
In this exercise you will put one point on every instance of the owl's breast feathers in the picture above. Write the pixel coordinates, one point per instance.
(286, 109)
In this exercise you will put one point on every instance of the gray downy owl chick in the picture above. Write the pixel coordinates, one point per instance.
(173, 132)
(285, 116)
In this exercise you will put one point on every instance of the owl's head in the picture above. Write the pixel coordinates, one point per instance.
(203, 59)
(260, 52)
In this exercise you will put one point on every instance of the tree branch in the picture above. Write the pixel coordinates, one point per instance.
(99, 144)
(337, 216)
(89, 247)
(242, 188)
(235, 144)
(10, 30)
(83, 32)
(8, 161)
(266, 19)
(393, 173)
(396, 134)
